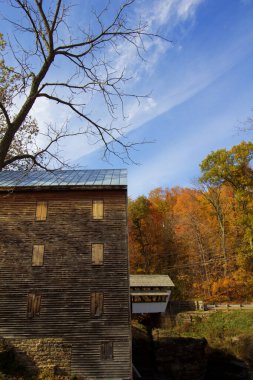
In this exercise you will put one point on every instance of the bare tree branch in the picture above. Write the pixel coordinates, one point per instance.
(90, 71)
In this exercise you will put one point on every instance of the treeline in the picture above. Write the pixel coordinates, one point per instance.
(202, 237)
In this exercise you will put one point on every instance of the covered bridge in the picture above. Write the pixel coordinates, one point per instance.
(150, 293)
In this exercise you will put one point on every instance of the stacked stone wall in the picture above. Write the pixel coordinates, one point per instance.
(40, 354)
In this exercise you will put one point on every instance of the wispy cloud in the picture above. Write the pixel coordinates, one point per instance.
(187, 8)
(170, 12)
(191, 77)
(200, 90)
(161, 16)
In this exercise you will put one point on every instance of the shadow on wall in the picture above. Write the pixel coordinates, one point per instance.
(177, 358)
(14, 364)
(192, 359)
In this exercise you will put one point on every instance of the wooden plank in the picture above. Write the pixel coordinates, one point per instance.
(41, 211)
(38, 255)
(97, 303)
(107, 350)
(30, 301)
(37, 304)
(98, 209)
(44, 207)
(97, 254)
(33, 305)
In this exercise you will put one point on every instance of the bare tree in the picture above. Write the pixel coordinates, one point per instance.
(46, 25)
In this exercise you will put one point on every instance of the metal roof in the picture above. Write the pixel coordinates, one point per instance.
(63, 178)
(150, 280)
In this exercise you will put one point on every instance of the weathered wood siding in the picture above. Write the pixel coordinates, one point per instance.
(67, 277)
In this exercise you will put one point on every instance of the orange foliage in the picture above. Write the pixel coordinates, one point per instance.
(194, 236)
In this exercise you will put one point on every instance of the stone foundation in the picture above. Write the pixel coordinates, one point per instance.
(40, 354)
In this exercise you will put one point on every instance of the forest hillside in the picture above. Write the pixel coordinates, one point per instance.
(202, 236)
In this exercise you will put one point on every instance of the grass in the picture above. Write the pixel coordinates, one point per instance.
(219, 324)
(230, 331)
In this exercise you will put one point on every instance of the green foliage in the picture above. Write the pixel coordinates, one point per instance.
(139, 209)
(229, 166)
(230, 331)
(202, 238)
(226, 324)
(234, 167)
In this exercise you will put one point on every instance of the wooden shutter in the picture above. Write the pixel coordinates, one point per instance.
(41, 211)
(97, 254)
(36, 305)
(38, 255)
(107, 350)
(97, 302)
(33, 305)
(30, 299)
(98, 209)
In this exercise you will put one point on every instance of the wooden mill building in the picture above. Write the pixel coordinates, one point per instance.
(64, 265)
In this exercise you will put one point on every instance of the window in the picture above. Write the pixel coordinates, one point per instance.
(98, 209)
(33, 305)
(97, 303)
(107, 350)
(97, 254)
(38, 255)
(41, 211)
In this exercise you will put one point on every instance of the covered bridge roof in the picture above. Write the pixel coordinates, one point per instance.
(63, 178)
(150, 280)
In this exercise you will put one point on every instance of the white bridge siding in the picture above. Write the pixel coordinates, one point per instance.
(148, 307)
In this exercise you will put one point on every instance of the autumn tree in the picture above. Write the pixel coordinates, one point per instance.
(140, 255)
(162, 203)
(150, 233)
(177, 232)
(44, 43)
(219, 204)
(193, 221)
(201, 236)
(233, 167)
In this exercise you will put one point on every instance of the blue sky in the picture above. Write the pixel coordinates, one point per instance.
(202, 89)
(200, 86)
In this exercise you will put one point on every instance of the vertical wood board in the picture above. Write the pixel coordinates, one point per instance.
(41, 211)
(97, 252)
(38, 255)
(98, 209)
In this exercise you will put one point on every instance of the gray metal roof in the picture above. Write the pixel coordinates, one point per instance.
(63, 178)
(148, 280)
